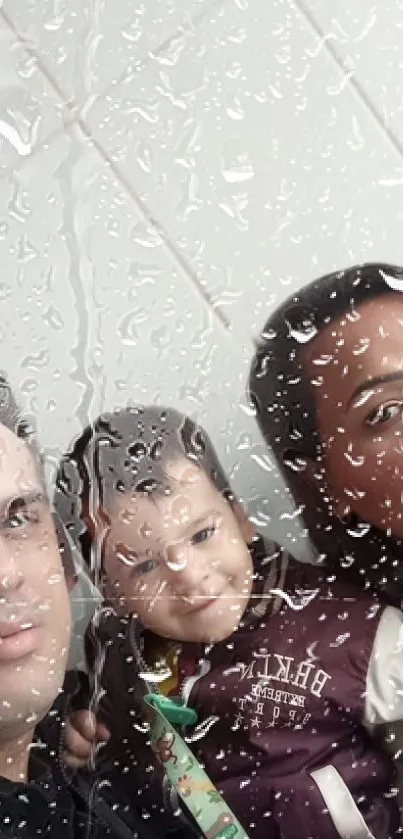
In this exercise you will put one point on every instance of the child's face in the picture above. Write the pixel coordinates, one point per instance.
(180, 561)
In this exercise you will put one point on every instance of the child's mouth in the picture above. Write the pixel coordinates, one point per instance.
(198, 604)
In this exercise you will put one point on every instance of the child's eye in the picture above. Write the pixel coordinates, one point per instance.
(202, 535)
(144, 567)
(383, 414)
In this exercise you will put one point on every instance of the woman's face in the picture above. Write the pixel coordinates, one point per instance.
(355, 366)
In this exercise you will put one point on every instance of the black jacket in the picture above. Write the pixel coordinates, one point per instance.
(59, 804)
(49, 806)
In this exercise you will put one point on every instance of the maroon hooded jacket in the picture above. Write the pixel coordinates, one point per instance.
(287, 706)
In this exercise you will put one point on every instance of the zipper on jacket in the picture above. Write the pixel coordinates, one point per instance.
(190, 681)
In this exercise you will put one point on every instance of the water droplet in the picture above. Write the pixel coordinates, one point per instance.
(359, 531)
(238, 172)
(303, 332)
(394, 282)
(269, 335)
(53, 318)
(160, 339)
(355, 461)
(363, 346)
(263, 461)
(14, 135)
(146, 235)
(37, 360)
(297, 464)
(5, 291)
(29, 385)
(363, 398)
(26, 251)
(248, 409)
(235, 109)
(322, 360)
(244, 441)
(145, 158)
(127, 328)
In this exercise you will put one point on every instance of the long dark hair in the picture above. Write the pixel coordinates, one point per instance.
(286, 414)
(127, 450)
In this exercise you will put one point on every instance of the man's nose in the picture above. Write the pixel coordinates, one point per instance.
(11, 575)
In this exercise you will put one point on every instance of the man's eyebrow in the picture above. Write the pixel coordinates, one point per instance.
(371, 383)
(19, 501)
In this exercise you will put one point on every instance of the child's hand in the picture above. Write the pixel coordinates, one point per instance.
(83, 732)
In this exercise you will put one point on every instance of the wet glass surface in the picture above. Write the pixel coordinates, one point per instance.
(170, 174)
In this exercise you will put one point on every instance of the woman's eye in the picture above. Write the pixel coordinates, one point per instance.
(145, 567)
(383, 414)
(202, 535)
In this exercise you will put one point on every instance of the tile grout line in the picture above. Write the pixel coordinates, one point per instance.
(353, 82)
(75, 118)
(216, 311)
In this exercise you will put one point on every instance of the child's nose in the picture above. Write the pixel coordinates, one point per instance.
(184, 573)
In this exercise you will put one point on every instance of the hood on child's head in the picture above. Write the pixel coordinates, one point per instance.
(145, 494)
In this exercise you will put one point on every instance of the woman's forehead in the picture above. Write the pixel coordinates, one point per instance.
(359, 347)
(380, 319)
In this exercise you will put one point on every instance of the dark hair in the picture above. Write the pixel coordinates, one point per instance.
(127, 451)
(284, 398)
(11, 417)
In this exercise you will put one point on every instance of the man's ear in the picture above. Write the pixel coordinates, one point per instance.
(246, 527)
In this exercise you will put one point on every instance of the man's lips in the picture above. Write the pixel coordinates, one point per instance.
(11, 627)
(18, 638)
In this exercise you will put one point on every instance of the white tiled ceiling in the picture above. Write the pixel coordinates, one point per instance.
(86, 45)
(30, 111)
(259, 162)
(169, 171)
(367, 40)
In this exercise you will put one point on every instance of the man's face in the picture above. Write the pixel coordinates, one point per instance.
(34, 607)
(356, 369)
(180, 562)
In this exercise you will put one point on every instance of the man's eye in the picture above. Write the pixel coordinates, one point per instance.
(21, 518)
(144, 567)
(203, 535)
(384, 414)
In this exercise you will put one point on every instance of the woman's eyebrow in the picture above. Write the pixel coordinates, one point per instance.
(372, 382)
